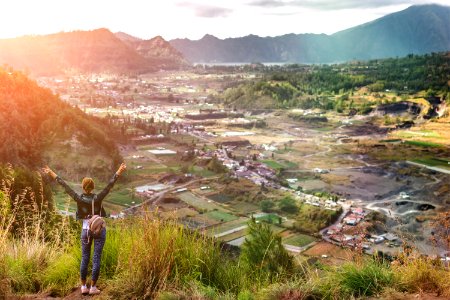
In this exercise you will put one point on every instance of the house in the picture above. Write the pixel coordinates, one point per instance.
(350, 221)
(357, 211)
(320, 171)
(376, 239)
(389, 237)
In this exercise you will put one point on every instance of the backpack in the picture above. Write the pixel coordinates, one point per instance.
(96, 223)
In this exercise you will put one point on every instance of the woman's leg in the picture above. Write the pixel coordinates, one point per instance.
(85, 255)
(98, 248)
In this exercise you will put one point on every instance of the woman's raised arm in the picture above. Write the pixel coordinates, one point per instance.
(67, 188)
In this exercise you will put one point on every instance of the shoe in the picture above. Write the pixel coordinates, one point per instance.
(84, 290)
(94, 291)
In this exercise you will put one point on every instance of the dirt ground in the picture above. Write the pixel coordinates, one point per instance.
(324, 248)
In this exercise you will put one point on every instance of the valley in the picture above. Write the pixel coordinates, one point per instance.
(358, 180)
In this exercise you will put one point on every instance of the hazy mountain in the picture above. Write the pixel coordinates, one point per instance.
(418, 29)
(80, 51)
(156, 49)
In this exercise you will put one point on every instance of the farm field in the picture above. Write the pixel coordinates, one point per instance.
(299, 240)
(199, 202)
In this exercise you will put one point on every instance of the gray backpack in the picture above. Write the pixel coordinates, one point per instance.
(96, 223)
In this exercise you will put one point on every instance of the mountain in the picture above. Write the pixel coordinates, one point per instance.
(156, 49)
(79, 51)
(417, 29)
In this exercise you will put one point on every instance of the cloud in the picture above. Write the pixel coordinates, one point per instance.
(206, 11)
(331, 4)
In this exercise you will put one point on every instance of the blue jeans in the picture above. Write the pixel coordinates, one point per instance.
(86, 253)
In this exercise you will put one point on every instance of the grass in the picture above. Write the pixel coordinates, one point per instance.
(299, 240)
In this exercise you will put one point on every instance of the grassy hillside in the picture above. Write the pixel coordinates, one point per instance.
(37, 128)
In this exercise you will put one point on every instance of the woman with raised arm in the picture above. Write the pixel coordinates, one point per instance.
(84, 213)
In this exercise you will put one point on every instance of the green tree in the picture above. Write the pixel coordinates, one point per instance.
(266, 205)
(288, 205)
(264, 251)
(216, 166)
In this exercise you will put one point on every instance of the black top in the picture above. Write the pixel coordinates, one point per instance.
(84, 201)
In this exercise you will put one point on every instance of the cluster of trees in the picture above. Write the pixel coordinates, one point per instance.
(318, 86)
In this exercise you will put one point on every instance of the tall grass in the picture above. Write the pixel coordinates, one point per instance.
(355, 279)
(148, 258)
(421, 274)
(164, 254)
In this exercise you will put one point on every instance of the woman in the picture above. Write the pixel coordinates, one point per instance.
(84, 212)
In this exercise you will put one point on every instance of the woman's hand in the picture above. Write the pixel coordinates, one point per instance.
(122, 168)
(49, 172)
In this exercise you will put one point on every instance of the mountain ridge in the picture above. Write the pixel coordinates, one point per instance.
(418, 29)
(93, 51)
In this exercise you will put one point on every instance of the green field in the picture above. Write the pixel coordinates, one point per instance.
(198, 202)
(233, 236)
(227, 226)
(220, 216)
(273, 164)
(423, 144)
(243, 207)
(196, 170)
(299, 240)
(433, 162)
(423, 133)
(280, 164)
(221, 198)
(123, 196)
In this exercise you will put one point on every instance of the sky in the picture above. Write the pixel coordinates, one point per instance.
(193, 18)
